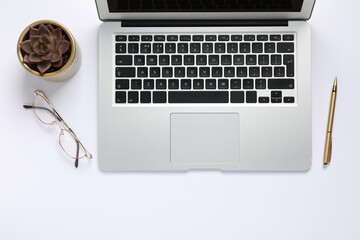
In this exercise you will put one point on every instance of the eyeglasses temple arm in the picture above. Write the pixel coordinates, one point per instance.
(44, 108)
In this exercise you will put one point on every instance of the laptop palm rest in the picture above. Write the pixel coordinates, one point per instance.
(205, 138)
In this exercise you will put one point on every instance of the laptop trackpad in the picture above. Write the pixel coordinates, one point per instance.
(205, 137)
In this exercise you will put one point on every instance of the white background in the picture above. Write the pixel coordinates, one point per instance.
(42, 196)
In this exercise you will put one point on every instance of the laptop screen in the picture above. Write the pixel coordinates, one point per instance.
(204, 6)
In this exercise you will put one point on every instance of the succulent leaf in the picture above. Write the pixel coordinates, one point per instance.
(26, 46)
(50, 27)
(35, 41)
(43, 30)
(47, 57)
(59, 63)
(35, 58)
(56, 56)
(56, 34)
(64, 46)
(34, 32)
(43, 66)
(26, 59)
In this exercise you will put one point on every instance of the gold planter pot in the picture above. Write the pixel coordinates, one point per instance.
(71, 66)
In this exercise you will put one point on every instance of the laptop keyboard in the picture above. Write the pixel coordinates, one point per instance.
(205, 68)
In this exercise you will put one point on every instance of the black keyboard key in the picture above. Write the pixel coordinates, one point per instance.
(254, 71)
(133, 48)
(229, 72)
(207, 48)
(260, 83)
(263, 59)
(223, 38)
(146, 38)
(257, 47)
(176, 60)
(185, 38)
(195, 47)
(223, 84)
(133, 97)
(276, 96)
(170, 47)
(238, 59)
(289, 62)
(198, 97)
(219, 47)
(245, 47)
(276, 37)
(287, 47)
(159, 38)
(251, 59)
(145, 48)
(276, 100)
(189, 60)
(251, 97)
(289, 99)
(210, 83)
(122, 84)
(198, 38)
(236, 38)
(173, 83)
(167, 72)
(125, 72)
(164, 60)
(160, 84)
(241, 71)
(179, 72)
(288, 37)
(192, 72)
(123, 60)
(216, 72)
(262, 37)
(248, 83)
(225, 59)
(145, 97)
(148, 83)
(139, 60)
(237, 97)
(281, 83)
(204, 72)
(276, 59)
(214, 60)
(120, 38)
(249, 37)
(151, 60)
(154, 72)
(201, 59)
(120, 97)
(134, 38)
(266, 71)
(172, 38)
(235, 84)
(136, 84)
(198, 84)
(142, 72)
(279, 72)
(183, 47)
(269, 47)
(185, 84)
(264, 99)
(159, 97)
(158, 47)
(120, 47)
(232, 48)
(210, 37)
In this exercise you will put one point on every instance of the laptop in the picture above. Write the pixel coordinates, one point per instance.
(204, 84)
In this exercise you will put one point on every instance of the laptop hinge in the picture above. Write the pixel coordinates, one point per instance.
(204, 23)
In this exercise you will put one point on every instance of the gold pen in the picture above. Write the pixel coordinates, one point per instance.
(328, 140)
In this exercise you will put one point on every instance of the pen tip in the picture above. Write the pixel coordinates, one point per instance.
(335, 84)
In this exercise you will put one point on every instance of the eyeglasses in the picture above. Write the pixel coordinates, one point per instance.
(68, 141)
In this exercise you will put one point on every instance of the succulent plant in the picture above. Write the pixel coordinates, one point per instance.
(45, 48)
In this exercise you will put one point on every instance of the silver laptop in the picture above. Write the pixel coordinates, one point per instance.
(204, 84)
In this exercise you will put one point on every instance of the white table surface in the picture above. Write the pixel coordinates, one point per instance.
(42, 196)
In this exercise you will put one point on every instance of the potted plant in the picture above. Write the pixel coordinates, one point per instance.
(47, 49)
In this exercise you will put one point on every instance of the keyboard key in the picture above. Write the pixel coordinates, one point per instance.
(170, 48)
(167, 72)
(251, 59)
(198, 38)
(185, 38)
(195, 48)
(171, 38)
(120, 38)
(281, 83)
(276, 100)
(164, 60)
(179, 72)
(223, 83)
(288, 37)
(279, 72)
(146, 38)
(189, 60)
(276, 59)
(159, 97)
(213, 59)
(285, 47)
(276, 96)
(123, 60)
(269, 47)
(198, 84)
(264, 100)
(158, 47)
(145, 48)
(133, 97)
(125, 72)
(159, 38)
(142, 72)
(225, 59)
(139, 59)
(260, 83)
(248, 83)
(204, 72)
(133, 48)
(254, 71)
(210, 37)
(216, 71)
(249, 37)
(223, 38)
(120, 48)
(232, 48)
(229, 72)
(220, 47)
(176, 60)
(236, 38)
(173, 83)
(263, 59)
(192, 72)
(207, 48)
(122, 84)
(154, 72)
(198, 97)
(237, 97)
(201, 60)
(133, 38)
(241, 71)
(160, 84)
(148, 83)
(151, 60)
(145, 97)
(245, 47)
(266, 71)
(262, 37)
(185, 84)
(210, 83)
(238, 59)
(289, 99)
(276, 37)
(235, 84)
(120, 97)
(251, 97)
(136, 84)
(183, 47)
(289, 62)
(257, 47)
